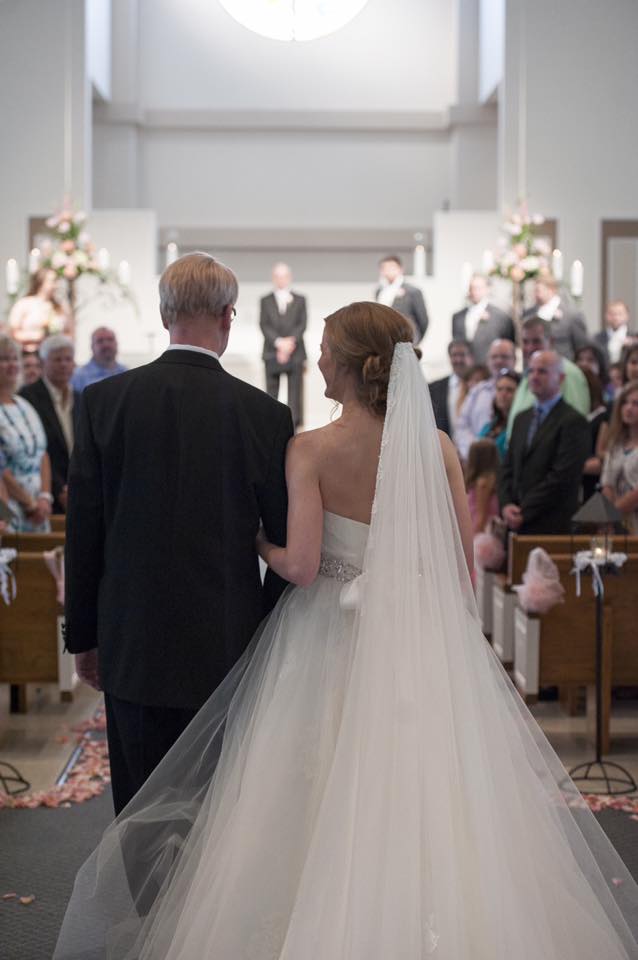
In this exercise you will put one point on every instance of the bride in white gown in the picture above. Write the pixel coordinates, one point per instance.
(366, 784)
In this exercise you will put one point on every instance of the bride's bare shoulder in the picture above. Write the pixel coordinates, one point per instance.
(311, 444)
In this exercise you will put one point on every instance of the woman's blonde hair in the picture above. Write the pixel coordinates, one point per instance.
(362, 338)
(618, 431)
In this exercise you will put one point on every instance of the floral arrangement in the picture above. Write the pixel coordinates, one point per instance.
(521, 255)
(70, 250)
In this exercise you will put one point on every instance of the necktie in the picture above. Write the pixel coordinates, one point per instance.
(535, 423)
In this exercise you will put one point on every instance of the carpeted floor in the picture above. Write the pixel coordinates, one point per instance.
(41, 850)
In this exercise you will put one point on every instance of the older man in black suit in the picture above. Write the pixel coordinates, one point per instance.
(175, 466)
(394, 292)
(481, 322)
(57, 405)
(542, 471)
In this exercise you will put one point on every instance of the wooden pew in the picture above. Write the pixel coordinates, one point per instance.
(58, 522)
(503, 596)
(33, 542)
(31, 641)
(558, 648)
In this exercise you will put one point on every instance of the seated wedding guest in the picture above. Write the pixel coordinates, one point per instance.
(566, 324)
(615, 379)
(57, 405)
(446, 392)
(481, 323)
(103, 362)
(614, 337)
(591, 357)
(26, 469)
(31, 367)
(481, 475)
(620, 471)
(598, 420)
(629, 361)
(535, 337)
(540, 476)
(477, 406)
(38, 315)
(394, 292)
(496, 429)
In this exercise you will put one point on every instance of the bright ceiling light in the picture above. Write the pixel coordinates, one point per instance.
(293, 19)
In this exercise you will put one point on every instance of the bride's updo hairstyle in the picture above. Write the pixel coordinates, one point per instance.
(362, 338)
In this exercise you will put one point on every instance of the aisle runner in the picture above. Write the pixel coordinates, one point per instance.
(85, 775)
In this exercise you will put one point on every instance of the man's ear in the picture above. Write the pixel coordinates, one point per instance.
(227, 318)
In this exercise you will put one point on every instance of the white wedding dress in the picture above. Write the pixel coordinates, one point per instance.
(366, 784)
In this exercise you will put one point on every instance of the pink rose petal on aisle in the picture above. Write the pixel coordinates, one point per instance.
(9, 896)
(27, 900)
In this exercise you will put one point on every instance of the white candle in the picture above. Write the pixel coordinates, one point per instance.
(172, 253)
(34, 260)
(103, 259)
(557, 265)
(487, 261)
(576, 278)
(124, 273)
(13, 276)
(418, 268)
(466, 275)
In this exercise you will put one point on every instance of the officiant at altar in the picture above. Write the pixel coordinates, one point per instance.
(283, 318)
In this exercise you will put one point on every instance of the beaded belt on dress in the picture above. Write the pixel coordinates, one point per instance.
(338, 569)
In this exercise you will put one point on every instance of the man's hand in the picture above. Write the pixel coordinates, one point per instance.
(513, 516)
(63, 496)
(285, 348)
(87, 669)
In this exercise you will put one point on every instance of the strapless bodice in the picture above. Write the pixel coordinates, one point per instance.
(343, 546)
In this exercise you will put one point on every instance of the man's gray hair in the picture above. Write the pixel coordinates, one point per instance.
(57, 341)
(195, 286)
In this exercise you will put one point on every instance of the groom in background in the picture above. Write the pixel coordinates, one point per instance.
(283, 318)
(175, 466)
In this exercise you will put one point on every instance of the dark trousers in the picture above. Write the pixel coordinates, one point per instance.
(295, 388)
(139, 737)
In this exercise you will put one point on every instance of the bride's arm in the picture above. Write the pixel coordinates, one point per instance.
(459, 497)
(298, 561)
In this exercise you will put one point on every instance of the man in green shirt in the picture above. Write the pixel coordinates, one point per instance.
(574, 385)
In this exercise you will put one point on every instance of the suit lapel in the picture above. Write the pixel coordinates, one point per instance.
(49, 415)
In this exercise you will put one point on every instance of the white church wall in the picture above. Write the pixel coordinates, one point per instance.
(579, 122)
(42, 60)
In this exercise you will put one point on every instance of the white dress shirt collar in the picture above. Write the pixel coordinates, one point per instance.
(63, 410)
(189, 346)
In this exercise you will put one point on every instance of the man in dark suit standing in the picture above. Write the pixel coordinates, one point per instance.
(283, 318)
(481, 322)
(57, 405)
(394, 292)
(616, 334)
(446, 391)
(542, 471)
(175, 466)
(566, 324)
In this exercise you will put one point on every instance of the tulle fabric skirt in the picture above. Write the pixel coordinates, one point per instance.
(316, 811)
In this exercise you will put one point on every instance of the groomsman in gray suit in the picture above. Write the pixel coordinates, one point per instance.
(566, 325)
(394, 292)
(282, 318)
(481, 322)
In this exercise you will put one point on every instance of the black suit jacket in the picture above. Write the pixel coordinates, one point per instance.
(39, 397)
(410, 302)
(273, 324)
(602, 340)
(545, 479)
(175, 464)
(498, 325)
(439, 397)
